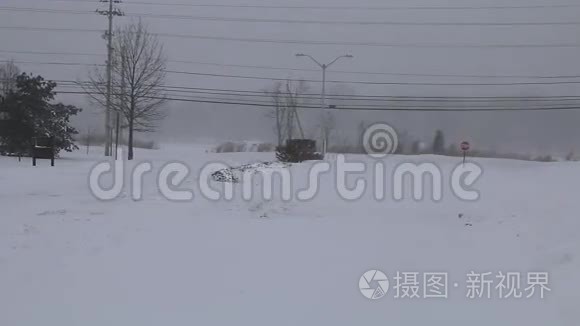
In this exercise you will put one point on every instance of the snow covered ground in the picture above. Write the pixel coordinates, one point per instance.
(68, 259)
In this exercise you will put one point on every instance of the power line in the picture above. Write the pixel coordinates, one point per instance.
(354, 96)
(373, 83)
(367, 23)
(310, 42)
(54, 53)
(46, 10)
(337, 81)
(50, 29)
(397, 103)
(57, 63)
(259, 98)
(358, 98)
(299, 21)
(293, 69)
(359, 7)
(296, 7)
(409, 109)
(371, 72)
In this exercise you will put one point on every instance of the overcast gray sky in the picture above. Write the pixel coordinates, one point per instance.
(525, 131)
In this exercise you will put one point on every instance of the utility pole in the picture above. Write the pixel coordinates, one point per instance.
(110, 13)
(118, 113)
(323, 96)
(88, 140)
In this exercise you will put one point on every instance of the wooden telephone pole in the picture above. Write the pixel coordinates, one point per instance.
(111, 12)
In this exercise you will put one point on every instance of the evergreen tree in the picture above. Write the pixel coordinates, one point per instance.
(439, 143)
(416, 148)
(32, 115)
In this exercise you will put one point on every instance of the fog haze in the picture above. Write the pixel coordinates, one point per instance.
(545, 132)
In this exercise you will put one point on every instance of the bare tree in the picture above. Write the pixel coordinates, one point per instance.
(8, 74)
(278, 112)
(137, 81)
(286, 99)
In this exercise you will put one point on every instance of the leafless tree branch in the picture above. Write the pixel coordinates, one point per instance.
(138, 75)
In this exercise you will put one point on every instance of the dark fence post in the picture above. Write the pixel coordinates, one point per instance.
(52, 151)
(34, 151)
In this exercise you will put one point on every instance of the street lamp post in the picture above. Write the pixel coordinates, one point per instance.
(323, 95)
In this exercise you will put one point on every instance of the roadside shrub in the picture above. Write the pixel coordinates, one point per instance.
(298, 150)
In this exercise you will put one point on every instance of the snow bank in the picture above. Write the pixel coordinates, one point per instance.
(67, 258)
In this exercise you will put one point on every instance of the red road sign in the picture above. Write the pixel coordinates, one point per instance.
(465, 146)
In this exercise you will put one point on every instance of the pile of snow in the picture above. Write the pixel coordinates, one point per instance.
(235, 174)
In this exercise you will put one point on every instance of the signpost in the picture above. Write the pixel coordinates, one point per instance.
(465, 146)
(43, 148)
